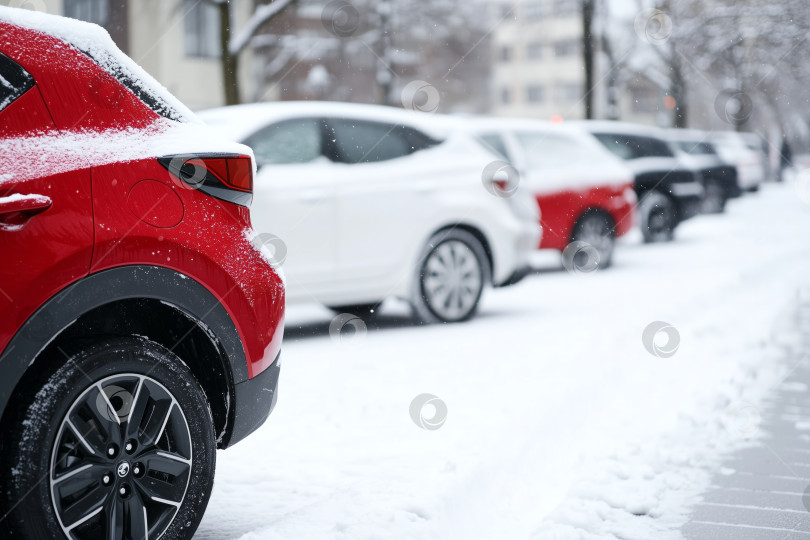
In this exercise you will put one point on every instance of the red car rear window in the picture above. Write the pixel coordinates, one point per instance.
(14, 81)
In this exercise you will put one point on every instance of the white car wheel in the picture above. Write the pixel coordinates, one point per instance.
(450, 278)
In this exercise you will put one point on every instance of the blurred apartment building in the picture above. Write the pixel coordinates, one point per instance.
(538, 69)
(523, 60)
(390, 45)
(294, 56)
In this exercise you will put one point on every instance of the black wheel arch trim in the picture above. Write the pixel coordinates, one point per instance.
(121, 283)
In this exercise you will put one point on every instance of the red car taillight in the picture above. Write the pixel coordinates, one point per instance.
(226, 177)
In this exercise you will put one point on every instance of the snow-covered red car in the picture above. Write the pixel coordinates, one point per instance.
(584, 192)
(374, 202)
(140, 326)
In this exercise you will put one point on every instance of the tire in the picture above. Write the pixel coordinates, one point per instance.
(596, 228)
(658, 217)
(450, 277)
(715, 200)
(85, 472)
(361, 310)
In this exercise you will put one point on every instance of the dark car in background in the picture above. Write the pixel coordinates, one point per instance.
(719, 177)
(668, 191)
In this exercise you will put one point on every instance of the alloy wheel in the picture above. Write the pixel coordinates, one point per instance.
(452, 280)
(121, 460)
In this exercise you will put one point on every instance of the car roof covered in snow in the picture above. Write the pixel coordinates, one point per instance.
(97, 43)
(240, 121)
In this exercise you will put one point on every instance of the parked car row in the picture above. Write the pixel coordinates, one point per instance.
(373, 202)
(142, 317)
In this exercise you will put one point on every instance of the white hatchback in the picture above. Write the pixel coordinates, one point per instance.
(374, 202)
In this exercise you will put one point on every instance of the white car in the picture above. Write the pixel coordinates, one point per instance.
(373, 202)
(734, 149)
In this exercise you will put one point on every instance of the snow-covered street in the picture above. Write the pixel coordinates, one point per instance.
(560, 423)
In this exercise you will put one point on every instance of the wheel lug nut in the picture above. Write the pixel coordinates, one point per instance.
(130, 446)
(106, 480)
(138, 469)
(122, 491)
(112, 450)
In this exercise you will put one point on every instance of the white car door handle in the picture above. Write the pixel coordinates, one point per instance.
(312, 195)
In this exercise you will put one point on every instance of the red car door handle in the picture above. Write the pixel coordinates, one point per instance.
(16, 209)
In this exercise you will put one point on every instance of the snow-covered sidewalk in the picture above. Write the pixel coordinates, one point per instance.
(560, 423)
(763, 491)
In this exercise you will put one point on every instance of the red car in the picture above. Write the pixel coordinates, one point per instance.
(140, 327)
(584, 192)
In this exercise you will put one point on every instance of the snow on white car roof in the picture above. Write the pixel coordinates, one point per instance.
(97, 43)
(239, 121)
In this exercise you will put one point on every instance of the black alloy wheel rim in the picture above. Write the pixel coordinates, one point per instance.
(121, 460)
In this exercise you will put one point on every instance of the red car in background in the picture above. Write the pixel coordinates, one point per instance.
(584, 192)
(140, 326)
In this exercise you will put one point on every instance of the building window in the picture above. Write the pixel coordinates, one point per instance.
(506, 96)
(565, 7)
(533, 11)
(568, 47)
(94, 11)
(568, 92)
(534, 51)
(505, 53)
(534, 94)
(201, 22)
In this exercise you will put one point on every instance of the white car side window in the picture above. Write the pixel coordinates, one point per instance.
(360, 141)
(290, 141)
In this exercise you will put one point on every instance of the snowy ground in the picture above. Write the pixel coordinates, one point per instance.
(560, 424)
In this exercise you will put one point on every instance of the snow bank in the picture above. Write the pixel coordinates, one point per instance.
(560, 424)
